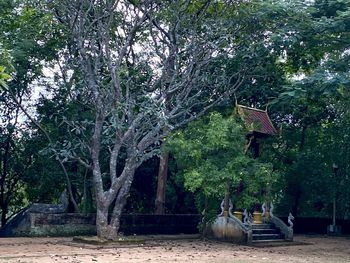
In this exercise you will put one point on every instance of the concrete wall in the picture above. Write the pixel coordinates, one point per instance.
(67, 224)
(62, 224)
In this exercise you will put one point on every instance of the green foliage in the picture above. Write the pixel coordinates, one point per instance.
(210, 153)
(3, 77)
(258, 186)
(312, 110)
(28, 41)
(5, 67)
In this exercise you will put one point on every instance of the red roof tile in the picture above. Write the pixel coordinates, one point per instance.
(256, 120)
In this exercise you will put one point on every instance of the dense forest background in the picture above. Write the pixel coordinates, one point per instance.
(297, 58)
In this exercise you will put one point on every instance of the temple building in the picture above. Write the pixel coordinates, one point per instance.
(259, 125)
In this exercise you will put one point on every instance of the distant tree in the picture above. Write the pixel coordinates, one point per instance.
(10, 171)
(29, 39)
(311, 110)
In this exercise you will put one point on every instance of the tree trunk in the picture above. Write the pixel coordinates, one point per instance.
(162, 179)
(104, 230)
(107, 225)
(108, 228)
(3, 215)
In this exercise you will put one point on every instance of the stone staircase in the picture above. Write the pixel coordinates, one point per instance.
(266, 233)
(258, 229)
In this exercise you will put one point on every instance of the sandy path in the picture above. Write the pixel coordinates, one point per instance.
(42, 250)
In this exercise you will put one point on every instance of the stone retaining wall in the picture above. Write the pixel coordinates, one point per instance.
(70, 224)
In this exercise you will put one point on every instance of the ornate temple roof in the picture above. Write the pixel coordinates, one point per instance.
(256, 120)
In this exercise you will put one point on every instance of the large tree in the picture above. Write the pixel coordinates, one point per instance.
(149, 67)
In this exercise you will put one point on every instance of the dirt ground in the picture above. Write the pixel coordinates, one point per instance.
(306, 249)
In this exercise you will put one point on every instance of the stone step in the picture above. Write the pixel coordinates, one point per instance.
(267, 236)
(260, 241)
(266, 231)
(263, 226)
